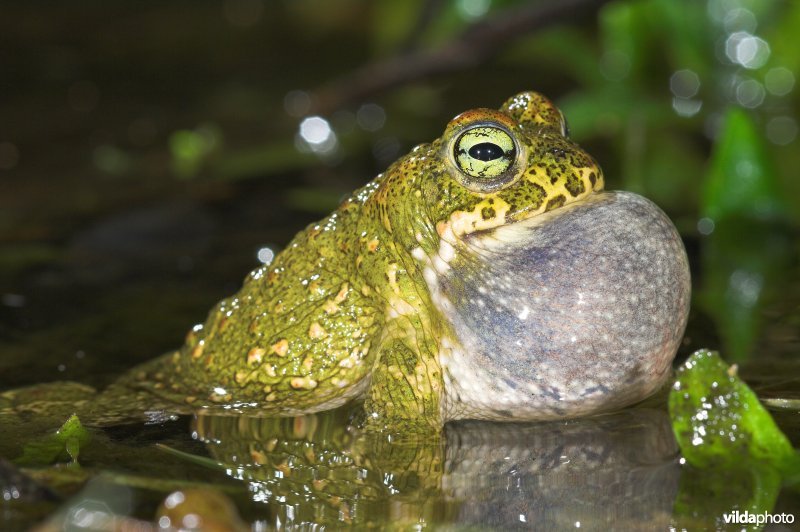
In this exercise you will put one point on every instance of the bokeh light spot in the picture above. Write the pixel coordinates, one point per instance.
(686, 107)
(750, 93)
(316, 132)
(705, 226)
(265, 255)
(747, 50)
(782, 130)
(684, 83)
(740, 19)
(472, 9)
(371, 117)
(779, 81)
(297, 103)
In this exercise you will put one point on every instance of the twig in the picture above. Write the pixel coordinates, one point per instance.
(472, 47)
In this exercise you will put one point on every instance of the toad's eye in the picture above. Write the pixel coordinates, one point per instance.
(485, 152)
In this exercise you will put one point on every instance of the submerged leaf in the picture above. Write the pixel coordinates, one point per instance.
(706, 494)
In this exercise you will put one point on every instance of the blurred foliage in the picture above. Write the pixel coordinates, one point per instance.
(748, 247)
(741, 180)
(745, 264)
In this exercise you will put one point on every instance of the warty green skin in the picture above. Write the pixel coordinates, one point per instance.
(346, 310)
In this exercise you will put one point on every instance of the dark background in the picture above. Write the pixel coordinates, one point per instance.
(149, 150)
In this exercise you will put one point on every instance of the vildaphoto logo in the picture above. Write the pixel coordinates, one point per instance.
(764, 518)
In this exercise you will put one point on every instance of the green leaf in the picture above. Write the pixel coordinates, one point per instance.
(719, 422)
(64, 445)
(741, 180)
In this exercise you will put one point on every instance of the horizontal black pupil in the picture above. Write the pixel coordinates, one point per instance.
(486, 151)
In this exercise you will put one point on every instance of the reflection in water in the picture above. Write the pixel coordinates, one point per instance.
(619, 469)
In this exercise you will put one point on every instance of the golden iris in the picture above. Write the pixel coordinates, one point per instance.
(484, 152)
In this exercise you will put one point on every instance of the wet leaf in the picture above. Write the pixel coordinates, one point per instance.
(64, 445)
(719, 421)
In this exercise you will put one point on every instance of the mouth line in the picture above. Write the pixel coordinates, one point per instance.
(512, 231)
